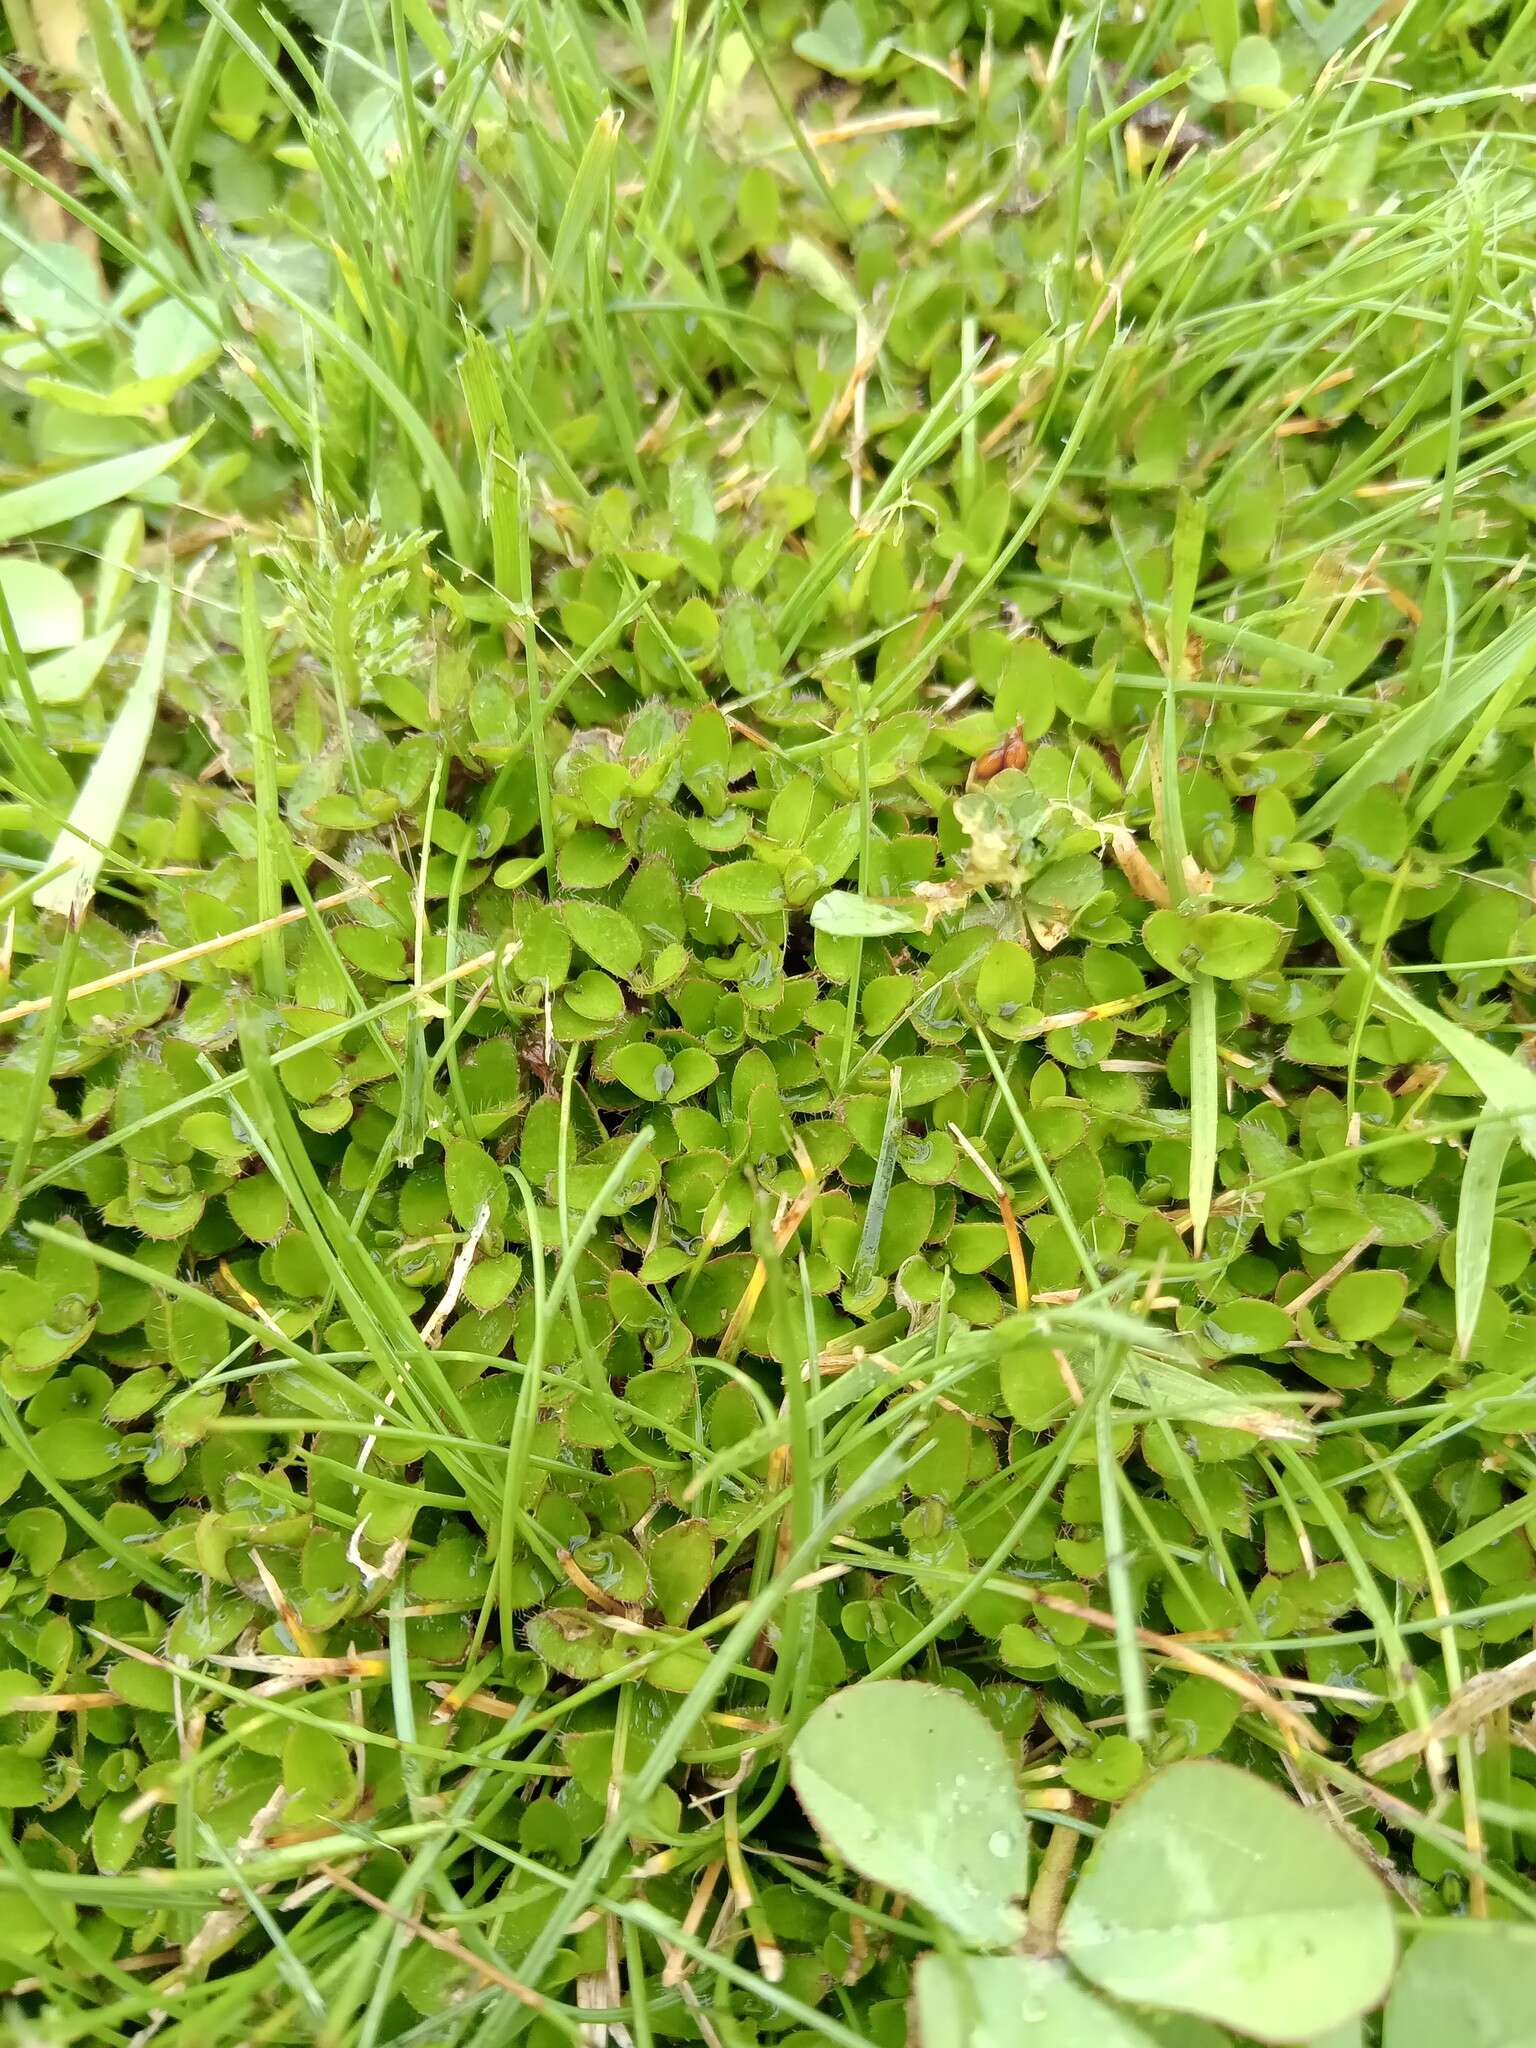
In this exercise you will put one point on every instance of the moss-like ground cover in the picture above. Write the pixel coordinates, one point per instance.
(767, 838)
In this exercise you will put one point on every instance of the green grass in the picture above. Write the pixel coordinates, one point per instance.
(655, 1186)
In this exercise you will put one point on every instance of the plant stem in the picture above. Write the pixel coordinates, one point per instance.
(1048, 1894)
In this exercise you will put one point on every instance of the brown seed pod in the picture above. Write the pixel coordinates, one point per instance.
(1012, 752)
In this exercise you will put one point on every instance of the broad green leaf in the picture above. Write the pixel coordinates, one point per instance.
(64, 678)
(573, 1643)
(1109, 1770)
(1253, 75)
(1006, 981)
(1239, 1326)
(1033, 681)
(1212, 1893)
(745, 887)
(1363, 1305)
(119, 1823)
(21, 1780)
(659, 1076)
(36, 1535)
(1209, 81)
(78, 1449)
(1468, 1983)
(806, 260)
(86, 839)
(839, 44)
(831, 846)
(846, 915)
(318, 1775)
(259, 1206)
(1015, 2002)
(1230, 944)
(53, 499)
(912, 1785)
(176, 341)
(55, 288)
(644, 1071)
(474, 1180)
(604, 935)
(692, 1070)
(44, 605)
(680, 1560)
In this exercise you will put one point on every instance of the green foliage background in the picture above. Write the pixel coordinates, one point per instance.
(655, 1185)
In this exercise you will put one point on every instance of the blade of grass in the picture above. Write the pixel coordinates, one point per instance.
(1188, 545)
(1508, 1086)
(1476, 1208)
(537, 740)
(289, 1965)
(1505, 664)
(1117, 1569)
(880, 1190)
(270, 861)
(31, 508)
(98, 809)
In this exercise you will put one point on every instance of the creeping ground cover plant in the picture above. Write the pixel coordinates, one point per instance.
(767, 989)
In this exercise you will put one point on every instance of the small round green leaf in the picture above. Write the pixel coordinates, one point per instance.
(318, 1775)
(692, 1070)
(1246, 1326)
(680, 1560)
(79, 1449)
(1230, 944)
(473, 1179)
(843, 914)
(1107, 1771)
(259, 1206)
(747, 887)
(21, 1778)
(1363, 1305)
(644, 1070)
(1006, 982)
(1254, 74)
(604, 935)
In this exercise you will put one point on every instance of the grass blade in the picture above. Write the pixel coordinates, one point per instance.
(53, 499)
(269, 824)
(1122, 1590)
(1474, 1223)
(1508, 1087)
(1203, 1106)
(98, 810)
(879, 1193)
(1416, 734)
